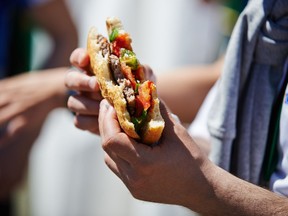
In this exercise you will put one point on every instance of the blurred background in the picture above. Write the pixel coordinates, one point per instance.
(66, 175)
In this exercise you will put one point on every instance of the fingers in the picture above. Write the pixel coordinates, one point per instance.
(85, 122)
(80, 81)
(77, 81)
(108, 123)
(169, 118)
(80, 59)
(116, 164)
(112, 165)
(5, 99)
(86, 103)
(83, 105)
(11, 129)
(114, 141)
(87, 111)
(10, 111)
(109, 128)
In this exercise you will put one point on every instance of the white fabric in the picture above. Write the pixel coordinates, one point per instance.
(198, 127)
(279, 179)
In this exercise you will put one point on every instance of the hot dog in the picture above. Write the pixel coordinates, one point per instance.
(122, 82)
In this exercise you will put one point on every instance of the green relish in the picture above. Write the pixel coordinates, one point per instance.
(138, 121)
(129, 57)
(114, 34)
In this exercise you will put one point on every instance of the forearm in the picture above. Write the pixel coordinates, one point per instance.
(184, 90)
(56, 78)
(233, 196)
(59, 56)
(61, 30)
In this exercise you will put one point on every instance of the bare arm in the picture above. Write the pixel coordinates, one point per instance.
(184, 90)
(177, 172)
(233, 196)
(54, 18)
(26, 99)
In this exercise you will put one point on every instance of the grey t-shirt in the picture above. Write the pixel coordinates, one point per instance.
(248, 86)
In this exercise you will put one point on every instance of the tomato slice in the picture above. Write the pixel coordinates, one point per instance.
(139, 73)
(145, 94)
(121, 41)
(143, 99)
(128, 74)
(136, 77)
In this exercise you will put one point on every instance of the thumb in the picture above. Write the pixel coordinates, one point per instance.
(108, 122)
(169, 118)
(172, 126)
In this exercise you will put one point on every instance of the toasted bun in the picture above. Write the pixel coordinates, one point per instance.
(110, 91)
(152, 130)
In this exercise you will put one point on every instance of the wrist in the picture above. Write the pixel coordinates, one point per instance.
(207, 195)
(61, 97)
(60, 94)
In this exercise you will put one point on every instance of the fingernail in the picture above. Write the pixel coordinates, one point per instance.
(104, 105)
(107, 105)
(92, 82)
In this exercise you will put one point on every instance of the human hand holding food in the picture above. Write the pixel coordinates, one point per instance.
(123, 83)
(85, 102)
(171, 172)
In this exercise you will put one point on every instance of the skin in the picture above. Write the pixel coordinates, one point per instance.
(27, 99)
(54, 18)
(191, 82)
(23, 111)
(175, 171)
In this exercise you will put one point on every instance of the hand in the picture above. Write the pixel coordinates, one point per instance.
(170, 172)
(176, 172)
(85, 103)
(25, 101)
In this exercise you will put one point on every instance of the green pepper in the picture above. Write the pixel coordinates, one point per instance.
(137, 87)
(138, 121)
(114, 34)
(129, 58)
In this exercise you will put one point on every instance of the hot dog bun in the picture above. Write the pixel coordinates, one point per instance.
(112, 90)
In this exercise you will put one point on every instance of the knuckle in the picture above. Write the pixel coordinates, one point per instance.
(94, 129)
(86, 123)
(108, 144)
(107, 160)
(77, 123)
(144, 167)
(68, 76)
(74, 55)
(71, 75)
(76, 80)
(84, 82)
(135, 182)
(71, 103)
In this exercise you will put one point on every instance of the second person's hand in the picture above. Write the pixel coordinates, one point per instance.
(85, 102)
